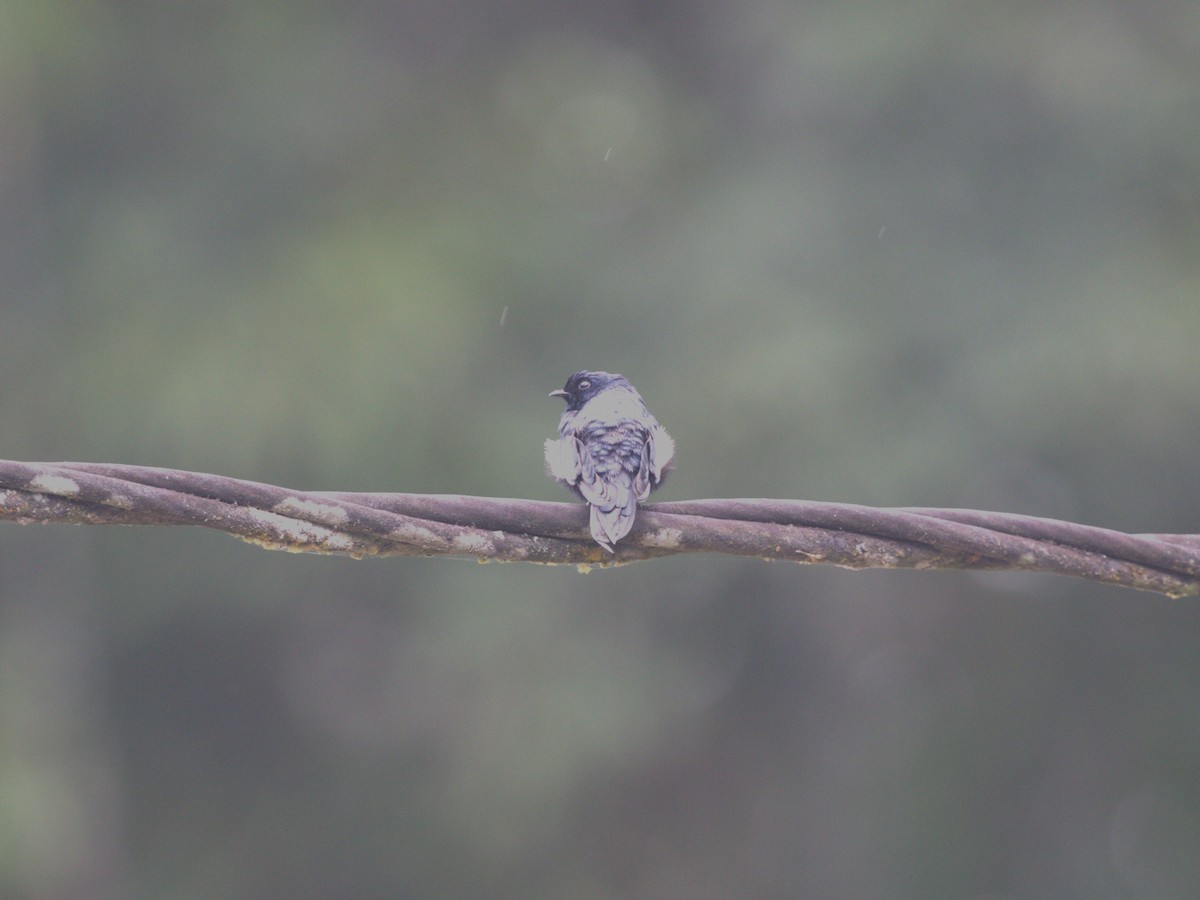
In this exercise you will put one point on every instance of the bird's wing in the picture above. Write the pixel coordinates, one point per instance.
(569, 461)
(596, 490)
(643, 481)
(611, 503)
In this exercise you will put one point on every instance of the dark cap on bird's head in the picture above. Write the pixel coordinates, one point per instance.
(583, 386)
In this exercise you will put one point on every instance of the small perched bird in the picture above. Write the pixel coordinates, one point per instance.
(609, 450)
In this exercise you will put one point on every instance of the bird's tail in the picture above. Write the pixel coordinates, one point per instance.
(610, 523)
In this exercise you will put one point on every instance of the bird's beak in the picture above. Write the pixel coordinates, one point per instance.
(559, 393)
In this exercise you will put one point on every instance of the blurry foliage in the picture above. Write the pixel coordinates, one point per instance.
(937, 253)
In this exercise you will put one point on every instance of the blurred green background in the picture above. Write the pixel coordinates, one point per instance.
(929, 253)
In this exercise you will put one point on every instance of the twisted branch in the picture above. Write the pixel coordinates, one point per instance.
(368, 524)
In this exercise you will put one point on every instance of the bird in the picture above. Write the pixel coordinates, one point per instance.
(610, 451)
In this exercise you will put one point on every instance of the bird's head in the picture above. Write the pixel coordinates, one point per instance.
(583, 386)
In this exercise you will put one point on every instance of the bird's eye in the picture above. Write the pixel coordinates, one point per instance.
(584, 385)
